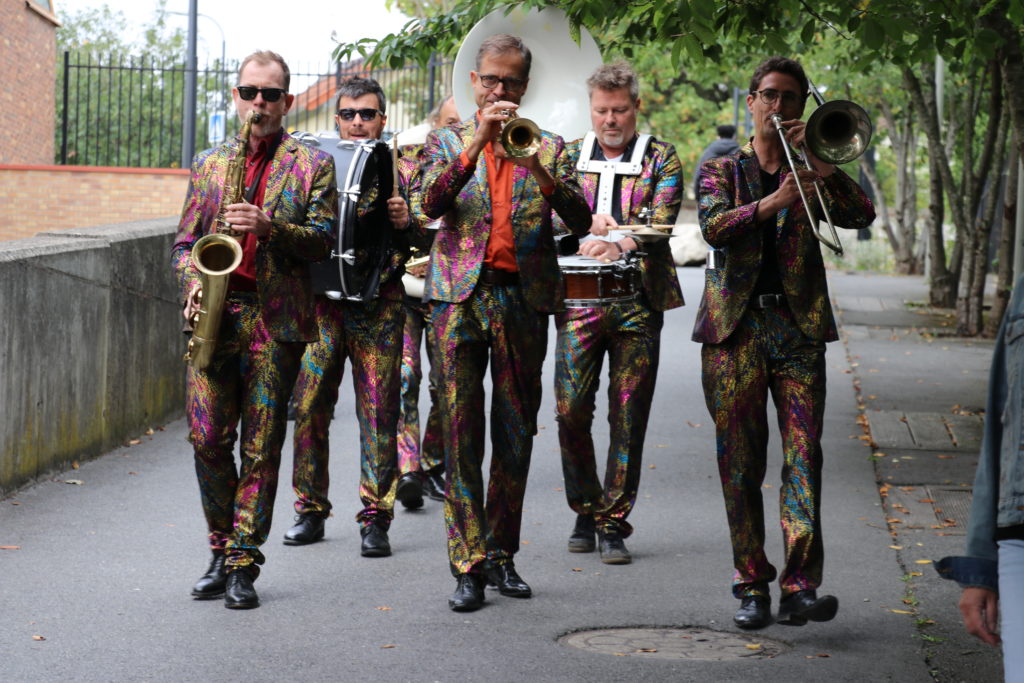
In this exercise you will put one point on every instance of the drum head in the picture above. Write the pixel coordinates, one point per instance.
(363, 243)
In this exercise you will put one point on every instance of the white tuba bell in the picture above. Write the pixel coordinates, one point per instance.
(556, 99)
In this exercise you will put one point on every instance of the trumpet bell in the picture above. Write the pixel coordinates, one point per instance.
(520, 138)
(838, 131)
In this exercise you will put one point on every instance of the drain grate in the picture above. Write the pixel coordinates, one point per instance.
(673, 643)
(954, 503)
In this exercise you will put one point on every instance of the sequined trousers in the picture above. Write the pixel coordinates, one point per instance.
(494, 324)
(247, 382)
(629, 334)
(768, 353)
(370, 335)
(415, 455)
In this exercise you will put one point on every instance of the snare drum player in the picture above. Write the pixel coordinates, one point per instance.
(369, 333)
(285, 222)
(763, 320)
(493, 281)
(623, 174)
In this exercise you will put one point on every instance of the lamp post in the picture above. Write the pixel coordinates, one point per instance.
(189, 124)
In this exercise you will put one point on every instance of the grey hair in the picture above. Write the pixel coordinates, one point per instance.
(504, 43)
(614, 77)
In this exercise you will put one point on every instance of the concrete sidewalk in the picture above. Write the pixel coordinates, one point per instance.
(97, 587)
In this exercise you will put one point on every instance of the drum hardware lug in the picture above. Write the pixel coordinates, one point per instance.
(348, 257)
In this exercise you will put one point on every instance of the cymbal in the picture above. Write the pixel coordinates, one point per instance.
(650, 234)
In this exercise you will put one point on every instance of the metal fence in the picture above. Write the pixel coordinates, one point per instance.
(127, 111)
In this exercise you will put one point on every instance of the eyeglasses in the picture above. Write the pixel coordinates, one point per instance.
(249, 92)
(368, 114)
(491, 82)
(770, 95)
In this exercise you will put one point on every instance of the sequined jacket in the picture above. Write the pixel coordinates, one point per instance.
(730, 189)
(302, 202)
(660, 185)
(460, 197)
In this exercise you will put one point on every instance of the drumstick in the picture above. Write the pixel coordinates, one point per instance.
(394, 165)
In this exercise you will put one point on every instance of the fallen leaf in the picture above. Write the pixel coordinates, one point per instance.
(558, 488)
(135, 442)
(577, 569)
(384, 609)
(74, 465)
(525, 542)
(38, 638)
(10, 547)
(647, 649)
(915, 573)
(149, 432)
(693, 424)
(926, 500)
(387, 647)
(896, 547)
(900, 611)
(133, 473)
(14, 502)
(753, 646)
(945, 457)
(652, 467)
(922, 561)
(823, 655)
(75, 482)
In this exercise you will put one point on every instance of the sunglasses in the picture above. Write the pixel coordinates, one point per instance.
(367, 114)
(249, 92)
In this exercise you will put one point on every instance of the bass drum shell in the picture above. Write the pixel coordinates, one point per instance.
(363, 240)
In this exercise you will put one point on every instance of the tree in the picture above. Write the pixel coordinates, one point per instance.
(980, 40)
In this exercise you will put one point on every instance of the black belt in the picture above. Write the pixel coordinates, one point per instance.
(493, 276)
(760, 301)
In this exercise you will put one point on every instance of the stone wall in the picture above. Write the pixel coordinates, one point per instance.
(91, 353)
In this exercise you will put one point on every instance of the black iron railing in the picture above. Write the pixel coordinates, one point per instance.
(127, 111)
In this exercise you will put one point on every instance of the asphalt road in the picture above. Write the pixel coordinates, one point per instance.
(97, 587)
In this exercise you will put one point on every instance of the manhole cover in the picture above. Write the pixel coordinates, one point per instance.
(673, 643)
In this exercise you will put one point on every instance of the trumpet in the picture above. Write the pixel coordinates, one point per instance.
(520, 137)
(837, 132)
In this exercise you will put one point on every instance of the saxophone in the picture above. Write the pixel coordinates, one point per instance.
(216, 256)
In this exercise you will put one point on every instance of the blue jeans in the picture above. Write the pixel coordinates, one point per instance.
(1011, 607)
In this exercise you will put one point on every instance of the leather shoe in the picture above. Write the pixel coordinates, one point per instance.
(409, 491)
(613, 548)
(240, 593)
(506, 579)
(582, 538)
(469, 593)
(375, 541)
(309, 528)
(755, 612)
(433, 485)
(796, 609)
(211, 584)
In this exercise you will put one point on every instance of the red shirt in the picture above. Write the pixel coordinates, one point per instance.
(257, 169)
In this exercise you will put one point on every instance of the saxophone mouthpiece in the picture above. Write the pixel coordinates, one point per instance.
(257, 117)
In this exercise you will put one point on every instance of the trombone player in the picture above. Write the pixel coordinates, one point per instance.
(763, 320)
(493, 280)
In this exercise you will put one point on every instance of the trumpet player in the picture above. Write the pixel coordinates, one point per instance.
(764, 320)
(284, 221)
(493, 280)
(622, 174)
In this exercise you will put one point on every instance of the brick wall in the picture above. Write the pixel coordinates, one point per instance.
(28, 53)
(38, 198)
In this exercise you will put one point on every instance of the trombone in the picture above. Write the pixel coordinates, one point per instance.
(837, 132)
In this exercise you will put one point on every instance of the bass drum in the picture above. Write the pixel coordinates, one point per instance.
(363, 245)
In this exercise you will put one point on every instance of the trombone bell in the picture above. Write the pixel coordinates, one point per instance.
(838, 132)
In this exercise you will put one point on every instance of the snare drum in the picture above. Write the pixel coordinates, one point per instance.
(588, 282)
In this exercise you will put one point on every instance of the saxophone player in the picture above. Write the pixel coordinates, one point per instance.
(283, 218)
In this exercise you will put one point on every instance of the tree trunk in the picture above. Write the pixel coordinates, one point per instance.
(1005, 251)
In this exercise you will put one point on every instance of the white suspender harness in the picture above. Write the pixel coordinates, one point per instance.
(607, 170)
